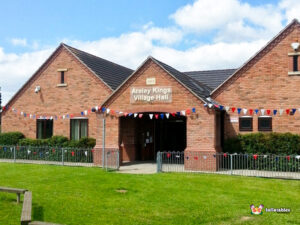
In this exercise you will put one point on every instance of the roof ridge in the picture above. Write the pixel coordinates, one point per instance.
(116, 64)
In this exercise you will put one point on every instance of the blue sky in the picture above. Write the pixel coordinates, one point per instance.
(187, 34)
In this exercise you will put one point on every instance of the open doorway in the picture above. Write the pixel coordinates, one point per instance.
(141, 138)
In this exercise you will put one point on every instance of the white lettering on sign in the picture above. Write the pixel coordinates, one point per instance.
(234, 119)
(150, 94)
(151, 81)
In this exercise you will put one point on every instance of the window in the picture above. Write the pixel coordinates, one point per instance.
(265, 124)
(62, 77)
(246, 123)
(295, 63)
(44, 128)
(79, 128)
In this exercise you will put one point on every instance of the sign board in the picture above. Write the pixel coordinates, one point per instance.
(150, 94)
(151, 81)
(234, 119)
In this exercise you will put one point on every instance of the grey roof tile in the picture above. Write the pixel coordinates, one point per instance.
(111, 73)
(211, 78)
(200, 89)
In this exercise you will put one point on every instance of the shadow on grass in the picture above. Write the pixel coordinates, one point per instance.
(38, 212)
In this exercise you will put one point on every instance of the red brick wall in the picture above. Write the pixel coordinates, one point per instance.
(84, 91)
(200, 126)
(265, 83)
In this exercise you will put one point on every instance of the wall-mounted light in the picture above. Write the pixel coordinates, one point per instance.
(295, 45)
(37, 89)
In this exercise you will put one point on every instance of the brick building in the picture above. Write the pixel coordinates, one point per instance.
(156, 107)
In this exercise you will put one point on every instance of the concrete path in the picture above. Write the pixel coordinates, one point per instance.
(138, 168)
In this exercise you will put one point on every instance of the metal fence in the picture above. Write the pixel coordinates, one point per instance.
(111, 159)
(86, 157)
(267, 165)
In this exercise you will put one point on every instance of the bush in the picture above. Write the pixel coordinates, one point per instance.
(33, 142)
(59, 141)
(10, 138)
(261, 143)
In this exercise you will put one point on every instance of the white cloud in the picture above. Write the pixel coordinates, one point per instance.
(232, 19)
(19, 42)
(291, 8)
(15, 69)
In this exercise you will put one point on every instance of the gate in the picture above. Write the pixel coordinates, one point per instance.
(111, 159)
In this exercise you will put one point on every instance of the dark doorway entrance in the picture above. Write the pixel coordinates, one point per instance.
(142, 138)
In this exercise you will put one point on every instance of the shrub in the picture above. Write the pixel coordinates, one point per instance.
(10, 138)
(59, 141)
(261, 143)
(33, 142)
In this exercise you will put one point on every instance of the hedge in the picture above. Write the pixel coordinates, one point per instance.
(264, 143)
(59, 141)
(10, 138)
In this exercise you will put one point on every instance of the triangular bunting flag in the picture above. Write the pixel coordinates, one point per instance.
(156, 116)
(262, 111)
(293, 110)
(256, 111)
(183, 112)
(239, 110)
(250, 111)
(245, 111)
(188, 111)
(233, 109)
(140, 115)
(151, 116)
(193, 110)
(162, 115)
(280, 112)
(275, 112)
(268, 111)
(107, 111)
(227, 108)
(135, 115)
(167, 115)
(287, 111)
(173, 114)
(221, 107)
(210, 105)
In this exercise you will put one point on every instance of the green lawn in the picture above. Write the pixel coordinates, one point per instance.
(88, 196)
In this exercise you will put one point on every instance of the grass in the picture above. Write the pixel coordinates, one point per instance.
(91, 196)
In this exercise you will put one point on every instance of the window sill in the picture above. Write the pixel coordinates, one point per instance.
(297, 73)
(62, 85)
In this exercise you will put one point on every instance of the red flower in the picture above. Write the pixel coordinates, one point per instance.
(255, 157)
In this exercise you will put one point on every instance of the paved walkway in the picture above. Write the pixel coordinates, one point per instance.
(138, 168)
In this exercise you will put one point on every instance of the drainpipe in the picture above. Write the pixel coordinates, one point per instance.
(103, 141)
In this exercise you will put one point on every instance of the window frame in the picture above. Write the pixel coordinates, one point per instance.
(44, 127)
(80, 119)
(264, 129)
(245, 128)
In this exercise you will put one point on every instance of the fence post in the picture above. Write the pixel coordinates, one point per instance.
(230, 164)
(62, 156)
(14, 154)
(158, 162)
(118, 160)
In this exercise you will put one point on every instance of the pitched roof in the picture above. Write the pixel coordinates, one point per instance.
(200, 89)
(110, 73)
(211, 78)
